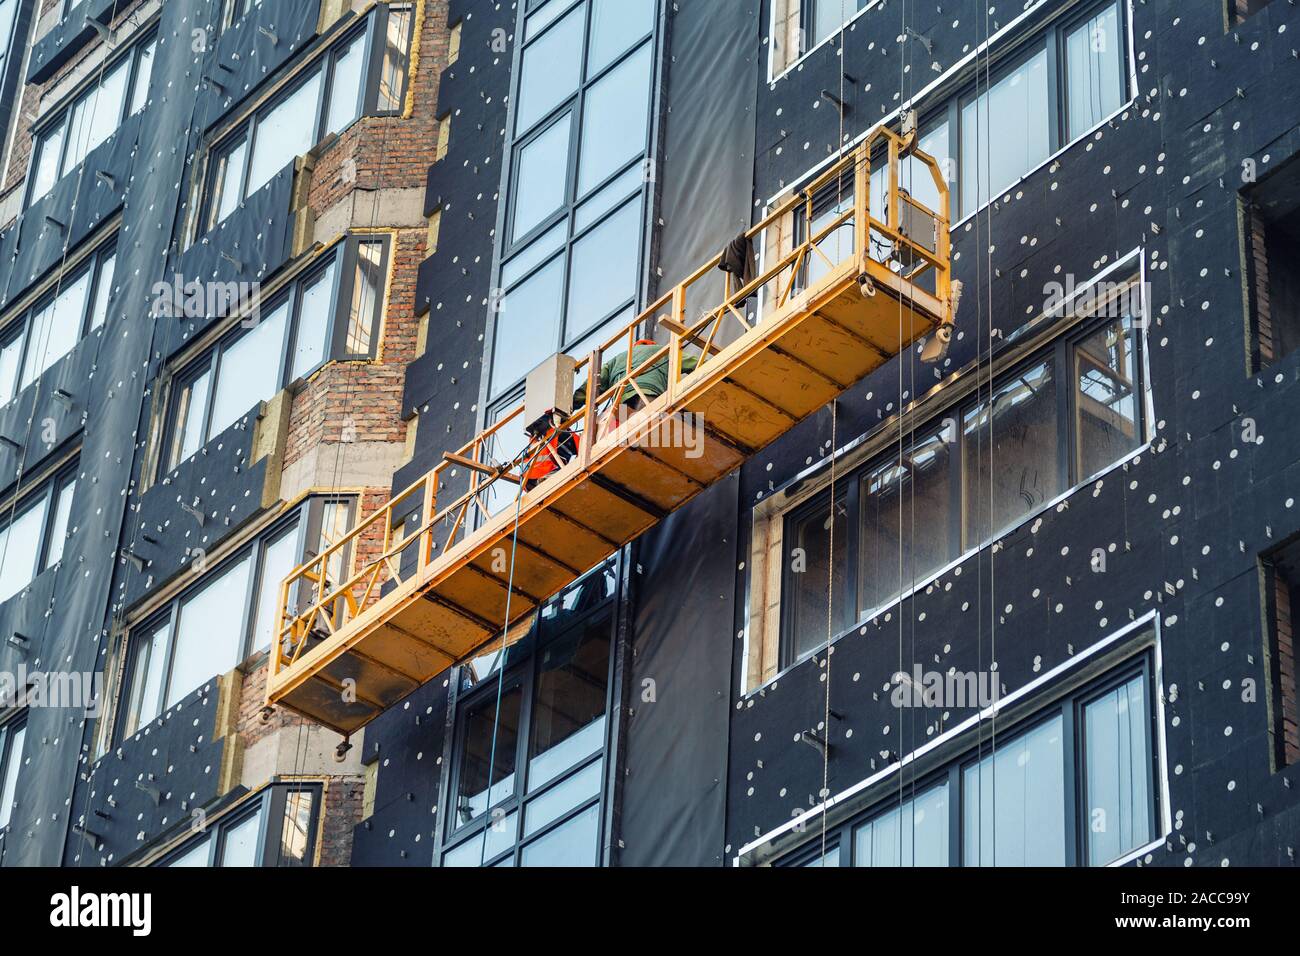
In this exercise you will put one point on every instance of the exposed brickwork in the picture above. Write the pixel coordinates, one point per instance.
(343, 799)
(1288, 719)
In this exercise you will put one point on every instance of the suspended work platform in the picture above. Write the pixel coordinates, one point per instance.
(466, 555)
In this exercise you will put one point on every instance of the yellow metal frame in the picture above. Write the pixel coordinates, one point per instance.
(327, 619)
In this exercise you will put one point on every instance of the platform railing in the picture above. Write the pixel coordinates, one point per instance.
(399, 541)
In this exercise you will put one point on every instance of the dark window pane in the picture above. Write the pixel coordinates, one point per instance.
(569, 705)
(1108, 405)
(1094, 82)
(907, 517)
(1118, 777)
(1013, 802)
(474, 798)
(1010, 467)
(295, 830)
(808, 561)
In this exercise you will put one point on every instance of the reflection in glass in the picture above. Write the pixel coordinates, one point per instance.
(366, 292)
(288, 130)
(563, 797)
(20, 545)
(1107, 408)
(906, 516)
(295, 831)
(527, 326)
(484, 735)
(147, 676)
(1011, 468)
(392, 72)
(603, 274)
(573, 843)
(615, 26)
(814, 577)
(249, 370)
(9, 785)
(311, 340)
(568, 721)
(239, 845)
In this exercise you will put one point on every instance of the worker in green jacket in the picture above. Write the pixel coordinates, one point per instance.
(651, 383)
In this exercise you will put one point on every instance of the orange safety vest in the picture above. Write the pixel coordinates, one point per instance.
(551, 459)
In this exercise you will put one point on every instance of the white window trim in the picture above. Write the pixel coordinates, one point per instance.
(763, 848)
(917, 410)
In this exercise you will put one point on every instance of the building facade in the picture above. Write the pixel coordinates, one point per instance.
(263, 264)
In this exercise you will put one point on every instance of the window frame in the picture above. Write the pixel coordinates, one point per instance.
(1058, 354)
(58, 118)
(510, 250)
(20, 327)
(270, 804)
(9, 727)
(299, 521)
(1069, 706)
(344, 258)
(45, 495)
(523, 674)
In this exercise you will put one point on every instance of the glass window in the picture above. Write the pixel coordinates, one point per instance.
(311, 343)
(615, 26)
(1004, 132)
(209, 631)
(603, 273)
(143, 74)
(626, 185)
(227, 181)
(239, 843)
(148, 673)
(534, 254)
(249, 370)
(12, 738)
(573, 843)
(11, 353)
(191, 408)
(1094, 77)
(96, 115)
(346, 86)
(1117, 777)
(527, 325)
(197, 855)
(484, 736)
(56, 328)
(825, 17)
(836, 245)
(280, 557)
(616, 117)
(396, 63)
(542, 178)
(550, 70)
(45, 167)
(913, 834)
(564, 796)
(568, 722)
(1107, 397)
(813, 577)
(1012, 802)
(367, 291)
(20, 548)
(103, 291)
(287, 131)
(907, 519)
(59, 525)
(1011, 467)
(831, 858)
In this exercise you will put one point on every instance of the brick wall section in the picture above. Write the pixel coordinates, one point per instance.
(341, 814)
(28, 104)
(1288, 720)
